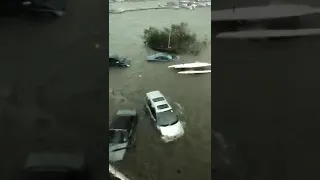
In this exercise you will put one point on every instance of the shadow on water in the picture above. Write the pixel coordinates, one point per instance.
(266, 104)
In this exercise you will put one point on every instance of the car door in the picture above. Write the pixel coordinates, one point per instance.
(164, 58)
(151, 109)
(158, 58)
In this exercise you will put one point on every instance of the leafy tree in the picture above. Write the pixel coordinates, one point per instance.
(177, 38)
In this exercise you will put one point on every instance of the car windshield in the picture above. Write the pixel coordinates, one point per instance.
(117, 136)
(166, 118)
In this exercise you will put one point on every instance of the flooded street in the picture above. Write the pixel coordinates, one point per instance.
(190, 95)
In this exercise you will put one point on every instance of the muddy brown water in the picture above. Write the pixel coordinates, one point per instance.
(190, 95)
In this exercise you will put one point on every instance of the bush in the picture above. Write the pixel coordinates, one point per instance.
(181, 39)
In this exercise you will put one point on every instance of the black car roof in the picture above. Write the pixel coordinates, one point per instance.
(122, 122)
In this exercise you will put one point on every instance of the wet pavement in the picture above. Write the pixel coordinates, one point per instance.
(190, 95)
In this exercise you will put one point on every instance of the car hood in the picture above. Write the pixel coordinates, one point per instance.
(119, 154)
(172, 131)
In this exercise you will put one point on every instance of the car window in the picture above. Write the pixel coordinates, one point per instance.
(149, 102)
(153, 112)
(158, 99)
(163, 106)
(163, 57)
(167, 118)
(117, 136)
(151, 108)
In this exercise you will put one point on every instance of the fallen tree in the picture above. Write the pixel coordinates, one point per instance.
(176, 39)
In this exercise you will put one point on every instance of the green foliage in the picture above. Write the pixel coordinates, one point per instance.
(181, 39)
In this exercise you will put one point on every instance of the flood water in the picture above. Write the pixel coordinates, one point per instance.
(190, 95)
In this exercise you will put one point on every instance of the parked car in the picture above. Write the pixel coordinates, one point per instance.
(162, 57)
(166, 121)
(118, 61)
(122, 134)
(53, 166)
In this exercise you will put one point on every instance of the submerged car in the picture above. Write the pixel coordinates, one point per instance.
(166, 121)
(118, 61)
(53, 166)
(122, 134)
(162, 57)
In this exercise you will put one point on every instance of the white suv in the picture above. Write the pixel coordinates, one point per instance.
(162, 114)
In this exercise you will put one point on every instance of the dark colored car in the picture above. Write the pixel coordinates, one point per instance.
(54, 166)
(122, 134)
(118, 61)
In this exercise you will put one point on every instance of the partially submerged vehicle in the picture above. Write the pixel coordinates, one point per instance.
(162, 57)
(122, 134)
(264, 22)
(166, 121)
(118, 61)
(53, 166)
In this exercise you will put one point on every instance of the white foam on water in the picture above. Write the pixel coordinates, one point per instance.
(179, 108)
(167, 139)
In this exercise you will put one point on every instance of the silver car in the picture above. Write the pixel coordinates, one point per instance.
(122, 134)
(166, 121)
